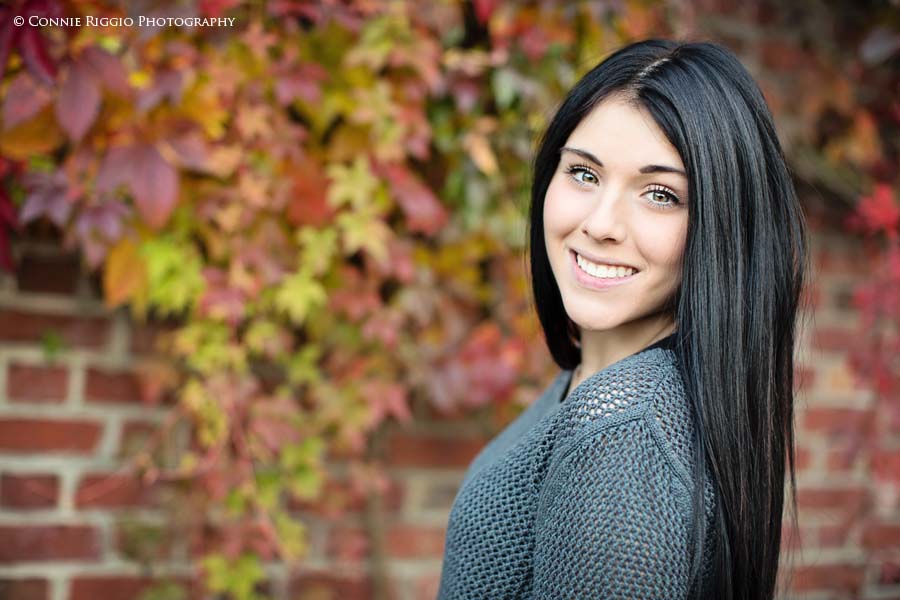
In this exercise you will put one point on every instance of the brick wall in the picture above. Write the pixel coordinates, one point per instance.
(67, 525)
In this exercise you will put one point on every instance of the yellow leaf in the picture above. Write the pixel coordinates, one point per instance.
(124, 274)
(39, 135)
(479, 148)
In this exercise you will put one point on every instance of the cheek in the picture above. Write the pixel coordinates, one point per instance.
(664, 243)
(560, 216)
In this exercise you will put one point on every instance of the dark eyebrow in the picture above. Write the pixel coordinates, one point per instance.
(646, 169)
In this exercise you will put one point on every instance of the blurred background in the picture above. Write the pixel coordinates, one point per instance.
(264, 289)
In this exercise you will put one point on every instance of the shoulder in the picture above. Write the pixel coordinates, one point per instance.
(644, 391)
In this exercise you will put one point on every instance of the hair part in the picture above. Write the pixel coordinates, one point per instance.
(743, 270)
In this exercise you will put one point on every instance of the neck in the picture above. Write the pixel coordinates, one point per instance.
(601, 348)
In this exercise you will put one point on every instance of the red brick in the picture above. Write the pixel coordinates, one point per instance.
(36, 383)
(81, 331)
(811, 297)
(40, 435)
(836, 421)
(427, 586)
(835, 536)
(350, 544)
(886, 465)
(889, 573)
(409, 450)
(852, 500)
(120, 587)
(23, 543)
(804, 378)
(832, 578)
(48, 273)
(410, 541)
(834, 339)
(802, 457)
(842, 457)
(28, 490)
(881, 536)
(111, 386)
(24, 589)
(791, 538)
(101, 490)
(325, 586)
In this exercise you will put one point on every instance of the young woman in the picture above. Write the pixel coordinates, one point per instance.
(668, 253)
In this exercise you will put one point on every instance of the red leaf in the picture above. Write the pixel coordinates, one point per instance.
(78, 103)
(484, 9)
(215, 8)
(308, 205)
(108, 70)
(386, 399)
(35, 56)
(9, 36)
(155, 185)
(879, 210)
(190, 152)
(116, 169)
(7, 221)
(24, 99)
(422, 208)
(166, 84)
(302, 82)
(47, 195)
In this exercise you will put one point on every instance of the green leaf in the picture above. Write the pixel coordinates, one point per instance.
(174, 274)
(302, 366)
(319, 247)
(238, 578)
(299, 295)
(353, 185)
(363, 229)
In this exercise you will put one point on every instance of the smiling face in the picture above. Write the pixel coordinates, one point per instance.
(618, 197)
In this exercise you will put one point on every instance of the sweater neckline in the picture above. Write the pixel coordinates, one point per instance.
(667, 342)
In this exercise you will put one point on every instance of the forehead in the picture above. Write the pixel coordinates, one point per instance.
(620, 133)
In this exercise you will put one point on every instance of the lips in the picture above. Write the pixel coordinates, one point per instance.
(604, 261)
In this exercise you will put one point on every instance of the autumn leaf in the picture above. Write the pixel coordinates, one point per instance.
(8, 221)
(299, 295)
(308, 204)
(36, 136)
(364, 230)
(319, 247)
(25, 98)
(155, 185)
(78, 102)
(352, 185)
(422, 208)
(46, 196)
(124, 273)
(879, 211)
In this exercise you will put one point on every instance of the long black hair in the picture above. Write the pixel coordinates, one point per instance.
(735, 312)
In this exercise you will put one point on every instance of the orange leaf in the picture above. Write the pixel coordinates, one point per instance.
(124, 274)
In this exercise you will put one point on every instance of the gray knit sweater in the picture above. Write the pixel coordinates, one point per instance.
(586, 496)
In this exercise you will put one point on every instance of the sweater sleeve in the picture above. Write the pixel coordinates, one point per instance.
(611, 519)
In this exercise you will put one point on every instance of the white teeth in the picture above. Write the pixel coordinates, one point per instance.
(603, 271)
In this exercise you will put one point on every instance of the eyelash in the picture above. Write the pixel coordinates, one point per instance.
(581, 168)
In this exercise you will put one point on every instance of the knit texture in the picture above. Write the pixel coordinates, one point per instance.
(585, 496)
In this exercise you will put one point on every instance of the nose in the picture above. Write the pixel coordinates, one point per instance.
(606, 220)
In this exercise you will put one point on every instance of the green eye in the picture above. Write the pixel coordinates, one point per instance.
(663, 197)
(589, 176)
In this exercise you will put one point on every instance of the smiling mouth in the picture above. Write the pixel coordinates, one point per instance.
(600, 271)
